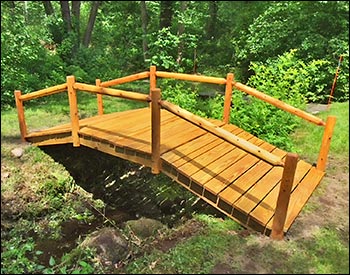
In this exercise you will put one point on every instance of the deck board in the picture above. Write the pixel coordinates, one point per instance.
(237, 183)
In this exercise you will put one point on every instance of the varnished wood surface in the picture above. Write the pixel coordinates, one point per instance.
(237, 183)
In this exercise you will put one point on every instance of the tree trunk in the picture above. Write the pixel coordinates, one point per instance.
(66, 16)
(91, 22)
(76, 22)
(180, 31)
(212, 22)
(48, 7)
(144, 23)
(53, 27)
(166, 14)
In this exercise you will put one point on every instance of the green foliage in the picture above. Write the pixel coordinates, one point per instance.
(285, 78)
(25, 64)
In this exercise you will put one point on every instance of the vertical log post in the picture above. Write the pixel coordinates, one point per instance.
(99, 99)
(155, 109)
(228, 98)
(326, 143)
(73, 106)
(152, 80)
(20, 113)
(284, 196)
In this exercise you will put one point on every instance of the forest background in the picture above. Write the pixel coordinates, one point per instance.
(287, 49)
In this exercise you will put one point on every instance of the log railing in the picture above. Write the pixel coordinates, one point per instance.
(156, 103)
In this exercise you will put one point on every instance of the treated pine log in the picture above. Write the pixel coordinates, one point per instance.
(44, 92)
(152, 80)
(233, 139)
(189, 77)
(20, 113)
(155, 120)
(326, 143)
(73, 106)
(99, 99)
(125, 79)
(279, 104)
(111, 92)
(228, 98)
(284, 196)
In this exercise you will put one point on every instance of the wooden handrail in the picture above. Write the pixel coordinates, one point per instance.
(44, 92)
(125, 79)
(279, 104)
(190, 77)
(228, 98)
(111, 92)
(155, 126)
(74, 113)
(326, 143)
(222, 133)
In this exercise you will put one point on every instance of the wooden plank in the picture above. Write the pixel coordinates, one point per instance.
(188, 160)
(300, 195)
(220, 164)
(254, 195)
(184, 150)
(266, 208)
(240, 178)
(107, 148)
(20, 115)
(223, 179)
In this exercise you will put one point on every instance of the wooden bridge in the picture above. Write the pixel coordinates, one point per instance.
(251, 181)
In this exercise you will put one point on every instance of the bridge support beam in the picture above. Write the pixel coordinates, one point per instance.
(155, 125)
(284, 196)
(326, 143)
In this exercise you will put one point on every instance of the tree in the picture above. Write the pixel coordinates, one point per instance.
(144, 23)
(91, 22)
(166, 14)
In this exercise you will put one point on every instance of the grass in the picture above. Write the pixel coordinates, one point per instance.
(221, 245)
(307, 138)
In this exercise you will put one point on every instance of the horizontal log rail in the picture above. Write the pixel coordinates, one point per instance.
(279, 104)
(44, 92)
(125, 79)
(190, 77)
(222, 133)
(111, 92)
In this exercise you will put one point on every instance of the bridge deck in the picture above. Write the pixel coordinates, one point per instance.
(237, 183)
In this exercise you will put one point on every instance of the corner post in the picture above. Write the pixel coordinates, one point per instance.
(155, 116)
(284, 196)
(228, 98)
(73, 104)
(326, 143)
(99, 99)
(20, 113)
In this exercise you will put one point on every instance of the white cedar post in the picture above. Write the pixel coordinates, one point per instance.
(155, 109)
(20, 113)
(72, 95)
(99, 99)
(326, 143)
(284, 196)
(228, 98)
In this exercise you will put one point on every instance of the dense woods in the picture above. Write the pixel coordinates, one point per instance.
(43, 41)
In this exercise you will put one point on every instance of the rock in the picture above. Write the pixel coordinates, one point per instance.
(111, 245)
(145, 227)
(17, 152)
